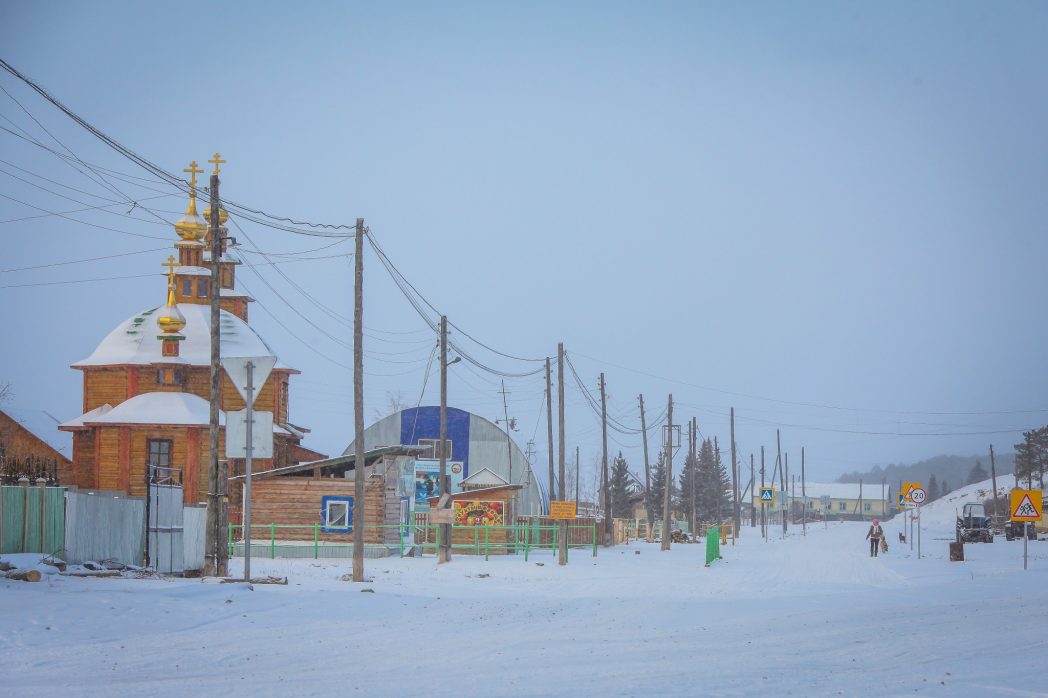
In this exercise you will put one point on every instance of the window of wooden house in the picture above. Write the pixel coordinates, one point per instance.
(187, 287)
(433, 448)
(159, 451)
(201, 288)
(337, 514)
(285, 411)
(169, 376)
(867, 506)
(842, 506)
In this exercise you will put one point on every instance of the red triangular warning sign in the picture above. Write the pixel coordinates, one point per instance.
(1025, 509)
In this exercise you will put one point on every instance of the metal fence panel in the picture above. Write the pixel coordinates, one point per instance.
(193, 538)
(104, 527)
(165, 528)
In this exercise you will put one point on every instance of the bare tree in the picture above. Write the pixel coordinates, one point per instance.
(395, 403)
(5, 392)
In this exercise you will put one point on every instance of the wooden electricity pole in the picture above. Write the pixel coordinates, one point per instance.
(736, 513)
(358, 403)
(753, 509)
(804, 498)
(444, 554)
(693, 447)
(609, 530)
(764, 520)
(217, 562)
(549, 431)
(669, 476)
(647, 475)
(563, 557)
(576, 477)
(993, 474)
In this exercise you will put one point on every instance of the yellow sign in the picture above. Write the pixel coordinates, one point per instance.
(561, 510)
(908, 487)
(1026, 505)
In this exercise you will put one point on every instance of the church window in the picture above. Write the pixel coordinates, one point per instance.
(201, 288)
(187, 287)
(337, 514)
(159, 453)
(169, 376)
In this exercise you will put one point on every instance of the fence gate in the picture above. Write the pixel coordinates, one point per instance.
(164, 515)
(32, 519)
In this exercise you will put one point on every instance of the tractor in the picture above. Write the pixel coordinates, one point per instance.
(973, 526)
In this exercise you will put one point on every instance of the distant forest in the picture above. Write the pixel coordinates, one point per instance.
(952, 471)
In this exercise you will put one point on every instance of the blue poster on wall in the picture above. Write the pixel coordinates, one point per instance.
(427, 480)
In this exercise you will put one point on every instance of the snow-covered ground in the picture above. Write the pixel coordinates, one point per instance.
(808, 615)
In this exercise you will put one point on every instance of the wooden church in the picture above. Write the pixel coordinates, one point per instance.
(147, 385)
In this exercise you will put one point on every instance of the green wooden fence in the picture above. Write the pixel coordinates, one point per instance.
(32, 519)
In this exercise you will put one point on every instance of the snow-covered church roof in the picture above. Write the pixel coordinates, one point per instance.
(135, 341)
(157, 408)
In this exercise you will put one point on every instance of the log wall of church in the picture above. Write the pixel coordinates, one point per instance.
(104, 386)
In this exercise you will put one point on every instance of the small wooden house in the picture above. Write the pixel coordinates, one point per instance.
(315, 501)
(477, 508)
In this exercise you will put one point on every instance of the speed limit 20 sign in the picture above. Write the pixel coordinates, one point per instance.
(918, 496)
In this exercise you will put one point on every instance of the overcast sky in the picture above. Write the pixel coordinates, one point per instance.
(830, 216)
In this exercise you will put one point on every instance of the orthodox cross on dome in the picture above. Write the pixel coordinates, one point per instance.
(170, 264)
(193, 171)
(216, 161)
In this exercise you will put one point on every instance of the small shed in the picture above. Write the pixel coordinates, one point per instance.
(479, 508)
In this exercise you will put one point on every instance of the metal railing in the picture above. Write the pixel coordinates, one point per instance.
(309, 540)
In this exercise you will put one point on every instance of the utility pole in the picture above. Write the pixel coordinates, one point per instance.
(693, 435)
(217, 562)
(509, 441)
(993, 474)
(688, 468)
(669, 476)
(736, 512)
(563, 557)
(764, 524)
(786, 490)
(444, 554)
(549, 431)
(650, 537)
(358, 403)
(804, 499)
(609, 531)
(753, 509)
(778, 468)
(576, 478)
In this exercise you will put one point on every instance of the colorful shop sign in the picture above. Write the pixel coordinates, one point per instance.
(479, 513)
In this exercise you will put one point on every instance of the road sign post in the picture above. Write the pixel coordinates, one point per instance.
(1026, 506)
(918, 496)
(244, 371)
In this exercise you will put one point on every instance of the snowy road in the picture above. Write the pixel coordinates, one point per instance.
(812, 615)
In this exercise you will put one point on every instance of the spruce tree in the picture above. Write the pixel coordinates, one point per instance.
(933, 488)
(978, 474)
(658, 487)
(620, 488)
(688, 473)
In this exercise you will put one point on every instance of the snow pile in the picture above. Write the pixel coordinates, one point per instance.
(940, 516)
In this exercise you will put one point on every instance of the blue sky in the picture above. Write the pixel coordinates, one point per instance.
(827, 215)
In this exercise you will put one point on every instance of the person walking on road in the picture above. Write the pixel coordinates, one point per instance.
(875, 534)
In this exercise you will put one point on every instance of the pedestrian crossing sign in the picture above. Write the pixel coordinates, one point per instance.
(1026, 505)
(767, 495)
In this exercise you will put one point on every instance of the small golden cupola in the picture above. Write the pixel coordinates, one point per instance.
(170, 320)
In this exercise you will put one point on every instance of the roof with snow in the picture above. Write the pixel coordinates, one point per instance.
(484, 478)
(135, 341)
(44, 426)
(844, 490)
(158, 408)
(90, 416)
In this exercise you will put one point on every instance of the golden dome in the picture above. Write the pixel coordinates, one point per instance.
(223, 215)
(170, 320)
(191, 226)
